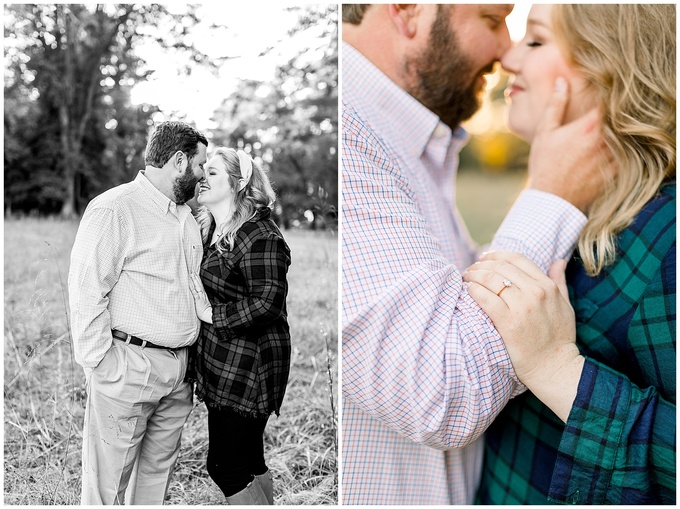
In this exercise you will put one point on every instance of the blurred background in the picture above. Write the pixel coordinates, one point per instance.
(493, 164)
(84, 86)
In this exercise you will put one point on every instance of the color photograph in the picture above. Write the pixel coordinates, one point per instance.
(508, 254)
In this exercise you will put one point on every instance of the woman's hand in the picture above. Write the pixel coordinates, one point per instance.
(585, 166)
(201, 302)
(532, 313)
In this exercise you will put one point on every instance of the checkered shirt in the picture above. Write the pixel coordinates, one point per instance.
(618, 445)
(423, 370)
(129, 271)
(242, 359)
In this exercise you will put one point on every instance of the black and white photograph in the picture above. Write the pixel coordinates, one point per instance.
(171, 254)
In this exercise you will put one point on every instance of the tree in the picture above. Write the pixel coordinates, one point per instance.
(291, 123)
(76, 63)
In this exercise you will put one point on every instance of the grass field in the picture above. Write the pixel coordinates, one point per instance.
(44, 387)
(484, 199)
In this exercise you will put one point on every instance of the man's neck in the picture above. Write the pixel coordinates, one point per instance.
(376, 53)
(159, 179)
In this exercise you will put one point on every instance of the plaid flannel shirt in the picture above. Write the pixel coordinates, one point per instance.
(618, 445)
(242, 360)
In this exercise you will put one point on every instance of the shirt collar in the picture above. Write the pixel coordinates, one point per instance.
(387, 105)
(162, 202)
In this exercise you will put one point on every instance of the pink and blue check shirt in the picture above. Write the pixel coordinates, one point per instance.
(423, 370)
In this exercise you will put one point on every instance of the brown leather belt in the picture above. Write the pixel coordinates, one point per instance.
(134, 340)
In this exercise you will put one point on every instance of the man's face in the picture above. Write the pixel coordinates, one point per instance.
(184, 186)
(465, 42)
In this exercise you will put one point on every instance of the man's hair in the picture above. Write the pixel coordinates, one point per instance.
(354, 13)
(627, 54)
(170, 137)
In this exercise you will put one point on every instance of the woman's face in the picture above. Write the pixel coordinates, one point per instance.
(215, 186)
(536, 62)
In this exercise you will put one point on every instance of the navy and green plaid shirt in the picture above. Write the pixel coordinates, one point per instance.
(618, 445)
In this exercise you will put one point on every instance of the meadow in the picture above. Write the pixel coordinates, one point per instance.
(44, 396)
(484, 198)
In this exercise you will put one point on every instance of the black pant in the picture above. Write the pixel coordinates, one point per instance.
(235, 449)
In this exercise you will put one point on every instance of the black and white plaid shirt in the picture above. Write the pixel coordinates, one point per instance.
(242, 360)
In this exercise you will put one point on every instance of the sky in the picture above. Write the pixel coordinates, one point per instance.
(248, 31)
(517, 20)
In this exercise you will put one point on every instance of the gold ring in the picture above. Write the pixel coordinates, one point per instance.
(506, 284)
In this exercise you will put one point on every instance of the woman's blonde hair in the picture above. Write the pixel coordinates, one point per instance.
(627, 54)
(256, 195)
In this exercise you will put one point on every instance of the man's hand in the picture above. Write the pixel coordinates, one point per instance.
(536, 321)
(201, 302)
(571, 160)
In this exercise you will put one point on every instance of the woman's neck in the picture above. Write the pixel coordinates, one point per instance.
(221, 213)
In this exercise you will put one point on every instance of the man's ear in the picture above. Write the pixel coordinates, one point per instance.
(405, 18)
(178, 159)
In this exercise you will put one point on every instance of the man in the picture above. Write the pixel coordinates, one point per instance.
(424, 371)
(132, 317)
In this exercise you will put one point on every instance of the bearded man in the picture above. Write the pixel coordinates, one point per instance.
(133, 316)
(424, 370)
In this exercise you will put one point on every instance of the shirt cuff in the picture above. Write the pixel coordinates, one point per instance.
(221, 321)
(591, 438)
(541, 226)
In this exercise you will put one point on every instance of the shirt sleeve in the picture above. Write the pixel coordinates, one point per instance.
(619, 439)
(417, 352)
(264, 267)
(541, 226)
(96, 263)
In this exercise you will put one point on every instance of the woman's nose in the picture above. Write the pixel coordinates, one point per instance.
(510, 60)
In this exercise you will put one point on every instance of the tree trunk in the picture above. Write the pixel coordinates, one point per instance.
(70, 150)
(68, 209)
(68, 147)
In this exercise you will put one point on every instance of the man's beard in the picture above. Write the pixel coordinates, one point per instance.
(184, 187)
(446, 78)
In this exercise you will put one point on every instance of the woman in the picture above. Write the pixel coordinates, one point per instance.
(242, 356)
(598, 425)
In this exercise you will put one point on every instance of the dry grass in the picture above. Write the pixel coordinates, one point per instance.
(44, 388)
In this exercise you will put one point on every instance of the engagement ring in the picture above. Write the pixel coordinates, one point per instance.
(506, 284)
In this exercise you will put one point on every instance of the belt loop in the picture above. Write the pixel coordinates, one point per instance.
(128, 338)
(143, 343)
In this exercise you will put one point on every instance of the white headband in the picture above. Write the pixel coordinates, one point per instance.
(246, 164)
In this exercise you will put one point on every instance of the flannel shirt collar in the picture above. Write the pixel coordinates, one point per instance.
(387, 106)
(261, 213)
(164, 204)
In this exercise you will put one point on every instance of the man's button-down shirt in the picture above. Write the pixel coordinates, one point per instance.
(129, 271)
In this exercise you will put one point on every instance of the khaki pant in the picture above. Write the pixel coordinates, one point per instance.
(136, 407)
